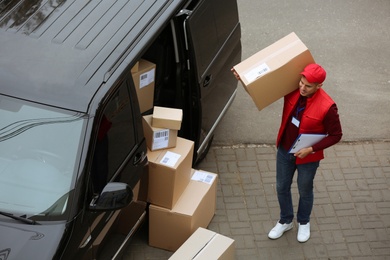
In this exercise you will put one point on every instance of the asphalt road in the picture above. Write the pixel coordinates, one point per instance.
(349, 38)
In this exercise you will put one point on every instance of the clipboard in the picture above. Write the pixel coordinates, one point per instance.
(306, 140)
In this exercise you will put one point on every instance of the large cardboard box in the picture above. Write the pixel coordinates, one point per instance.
(205, 245)
(158, 138)
(144, 84)
(274, 71)
(169, 229)
(169, 173)
(165, 117)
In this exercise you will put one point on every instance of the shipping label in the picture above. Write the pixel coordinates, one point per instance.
(257, 72)
(146, 78)
(170, 159)
(205, 177)
(160, 139)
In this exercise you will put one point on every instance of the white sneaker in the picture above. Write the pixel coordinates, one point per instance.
(279, 229)
(303, 232)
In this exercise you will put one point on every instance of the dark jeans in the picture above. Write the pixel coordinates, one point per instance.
(285, 169)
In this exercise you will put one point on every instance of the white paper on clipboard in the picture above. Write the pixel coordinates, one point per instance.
(306, 140)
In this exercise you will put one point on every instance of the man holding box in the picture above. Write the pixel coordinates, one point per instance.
(307, 110)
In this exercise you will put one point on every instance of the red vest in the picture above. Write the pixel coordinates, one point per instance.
(315, 111)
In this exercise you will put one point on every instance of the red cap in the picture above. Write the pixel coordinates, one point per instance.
(314, 73)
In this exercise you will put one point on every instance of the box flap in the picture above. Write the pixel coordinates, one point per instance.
(205, 244)
(191, 248)
(219, 247)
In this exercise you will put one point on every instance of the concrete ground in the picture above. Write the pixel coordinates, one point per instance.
(351, 215)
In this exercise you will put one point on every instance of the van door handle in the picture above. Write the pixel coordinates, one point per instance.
(207, 80)
(139, 157)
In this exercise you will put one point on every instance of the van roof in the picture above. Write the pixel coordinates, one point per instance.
(60, 52)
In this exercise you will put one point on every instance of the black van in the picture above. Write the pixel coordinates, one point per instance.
(72, 150)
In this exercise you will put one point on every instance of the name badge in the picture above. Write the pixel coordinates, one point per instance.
(295, 121)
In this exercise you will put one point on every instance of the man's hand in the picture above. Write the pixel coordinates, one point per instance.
(304, 152)
(235, 74)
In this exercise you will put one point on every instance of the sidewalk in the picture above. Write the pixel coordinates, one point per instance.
(351, 214)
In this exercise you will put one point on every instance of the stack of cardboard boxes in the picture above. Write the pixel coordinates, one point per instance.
(181, 198)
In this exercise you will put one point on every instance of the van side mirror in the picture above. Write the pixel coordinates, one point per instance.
(115, 195)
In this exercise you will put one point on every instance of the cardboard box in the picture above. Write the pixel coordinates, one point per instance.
(164, 117)
(169, 229)
(169, 173)
(158, 138)
(135, 67)
(204, 245)
(274, 71)
(144, 84)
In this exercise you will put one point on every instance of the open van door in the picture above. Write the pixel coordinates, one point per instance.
(212, 35)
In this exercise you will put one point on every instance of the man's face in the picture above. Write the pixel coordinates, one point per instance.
(308, 89)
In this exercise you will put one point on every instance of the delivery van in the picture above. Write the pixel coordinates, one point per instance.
(73, 156)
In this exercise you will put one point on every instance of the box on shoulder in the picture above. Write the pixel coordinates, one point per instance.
(205, 244)
(169, 173)
(170, 228)
(165, 117)
(158, 138)
(273, 72)
(144, 79)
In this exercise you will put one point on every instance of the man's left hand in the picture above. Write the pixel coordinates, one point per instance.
(303, 152)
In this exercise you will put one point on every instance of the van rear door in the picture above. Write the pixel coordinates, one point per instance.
(213, 42)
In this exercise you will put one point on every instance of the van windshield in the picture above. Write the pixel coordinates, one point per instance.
(39, 148)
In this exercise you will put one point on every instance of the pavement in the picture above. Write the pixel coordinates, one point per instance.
(350, 218)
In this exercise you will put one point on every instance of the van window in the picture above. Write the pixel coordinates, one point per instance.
(115, 139)
(39, 151)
